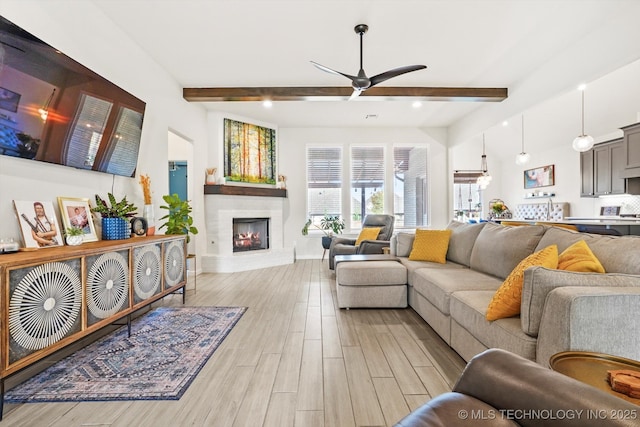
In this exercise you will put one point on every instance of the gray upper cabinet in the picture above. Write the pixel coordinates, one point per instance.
(631, 141)
(600, 168)
(586, 174)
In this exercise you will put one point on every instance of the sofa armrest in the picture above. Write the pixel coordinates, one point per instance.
(372, 246)
(539, 281)
(598, 319)
(342, 241)
(515, 385)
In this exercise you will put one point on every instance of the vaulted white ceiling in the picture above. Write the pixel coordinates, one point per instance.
(538, 49)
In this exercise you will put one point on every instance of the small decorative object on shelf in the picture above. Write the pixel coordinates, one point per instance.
(282, 182)
(74, 236)
(115, 218)
(148, 212)
(210, 176)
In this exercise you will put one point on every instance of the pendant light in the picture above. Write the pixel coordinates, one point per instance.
(485, 178)
(522, 158)
(583, 142)
(44, 111)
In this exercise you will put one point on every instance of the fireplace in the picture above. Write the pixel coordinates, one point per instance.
(250, 234)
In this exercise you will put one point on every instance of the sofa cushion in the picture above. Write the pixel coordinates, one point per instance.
(578, 257)
(617, 254)
(403, 244)
(368, 233)
(413, 266)
(499, 249)
(539, 281)
(430, 245)
(469, 309)
(507, 299)
(463, 236)
(437, 285)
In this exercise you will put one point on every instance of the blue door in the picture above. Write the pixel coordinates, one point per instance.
(178, 179)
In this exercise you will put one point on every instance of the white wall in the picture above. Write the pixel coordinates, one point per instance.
(99, 45)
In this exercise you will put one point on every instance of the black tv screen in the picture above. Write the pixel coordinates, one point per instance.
(55, 110)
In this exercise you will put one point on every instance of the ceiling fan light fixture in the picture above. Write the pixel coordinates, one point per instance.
(583, 142)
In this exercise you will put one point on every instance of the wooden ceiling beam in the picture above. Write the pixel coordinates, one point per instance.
(326, 93)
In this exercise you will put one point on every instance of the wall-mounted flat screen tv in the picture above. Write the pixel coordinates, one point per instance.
(55, 110)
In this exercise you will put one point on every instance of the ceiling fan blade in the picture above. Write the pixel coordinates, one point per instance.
(329, 70)
(356, 93)
(395, 72)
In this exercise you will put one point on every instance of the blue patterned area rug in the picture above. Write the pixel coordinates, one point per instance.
(167, 348)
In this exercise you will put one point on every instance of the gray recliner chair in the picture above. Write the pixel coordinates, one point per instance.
(346, 246)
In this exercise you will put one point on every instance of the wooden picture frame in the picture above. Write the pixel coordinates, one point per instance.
(38, 224)
(76, 212)
(543, 176)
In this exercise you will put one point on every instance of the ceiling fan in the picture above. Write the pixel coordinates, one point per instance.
(361, 82)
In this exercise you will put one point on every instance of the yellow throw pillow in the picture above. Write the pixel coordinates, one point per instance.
(368, 233)
(430, 245)
(578, 257)
(507, 299)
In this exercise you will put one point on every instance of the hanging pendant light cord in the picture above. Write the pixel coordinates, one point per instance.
(583, 112)
(523, 133)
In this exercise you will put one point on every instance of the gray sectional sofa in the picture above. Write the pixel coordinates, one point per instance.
(560, 310)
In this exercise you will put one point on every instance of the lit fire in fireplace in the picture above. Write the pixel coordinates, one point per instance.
(247, 241)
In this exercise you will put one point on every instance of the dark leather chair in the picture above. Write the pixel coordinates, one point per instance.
(499, 388)
(346, 246)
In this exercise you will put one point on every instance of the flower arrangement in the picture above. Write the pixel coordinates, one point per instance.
(145, 181)
(498, 208)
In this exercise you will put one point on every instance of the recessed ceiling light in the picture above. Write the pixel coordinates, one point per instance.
(267, 104)
(505, 123)
(416, 104)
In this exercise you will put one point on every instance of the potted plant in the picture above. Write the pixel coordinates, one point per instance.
(329, 225)
(115, 216)
(179, 220)
(74, 235)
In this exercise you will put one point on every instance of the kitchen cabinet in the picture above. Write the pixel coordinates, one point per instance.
(631, 143)
(601, 170)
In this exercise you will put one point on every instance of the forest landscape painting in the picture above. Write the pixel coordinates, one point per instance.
(249, 153)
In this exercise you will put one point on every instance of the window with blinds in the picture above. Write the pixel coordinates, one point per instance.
(86, 132)
(410, 187)
(367, 183)
(324, 182)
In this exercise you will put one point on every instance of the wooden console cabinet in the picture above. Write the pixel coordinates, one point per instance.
(53, 297)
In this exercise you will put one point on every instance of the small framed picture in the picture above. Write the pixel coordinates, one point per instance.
(38, 224)
(76, 212)
(539, 177)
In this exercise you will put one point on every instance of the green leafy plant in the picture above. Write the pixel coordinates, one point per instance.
(329, 225)
(114, 209)
(74, 231)
(179, 220)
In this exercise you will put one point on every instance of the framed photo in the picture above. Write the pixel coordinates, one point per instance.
(77, 213)
(38, 224)
(539, 177)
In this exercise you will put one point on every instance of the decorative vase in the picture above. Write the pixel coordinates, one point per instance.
(211, 179)
(115, 229)
(149, 215)
(74, 240)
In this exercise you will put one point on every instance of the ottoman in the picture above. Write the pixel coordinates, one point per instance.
(371, 284)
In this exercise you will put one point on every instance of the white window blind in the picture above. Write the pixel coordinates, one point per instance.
(324, 182)
(367, 183)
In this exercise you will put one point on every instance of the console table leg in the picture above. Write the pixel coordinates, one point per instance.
(1, 398)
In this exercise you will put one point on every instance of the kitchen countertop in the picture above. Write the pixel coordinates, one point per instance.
(590, 221)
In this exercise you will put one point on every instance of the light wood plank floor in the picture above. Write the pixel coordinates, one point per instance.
(294, 359)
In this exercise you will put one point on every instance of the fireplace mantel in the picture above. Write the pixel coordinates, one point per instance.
(237, 190)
